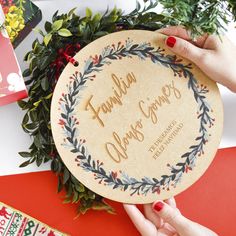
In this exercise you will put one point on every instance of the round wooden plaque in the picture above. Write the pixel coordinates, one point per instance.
(133, 122)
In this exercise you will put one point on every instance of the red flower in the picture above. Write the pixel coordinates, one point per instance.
(61, 122)
(187, 168)
(95, 59)
(51, 233)
(114, 175)
(157, 190)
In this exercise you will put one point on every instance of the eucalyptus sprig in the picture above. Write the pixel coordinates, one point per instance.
(68, 30)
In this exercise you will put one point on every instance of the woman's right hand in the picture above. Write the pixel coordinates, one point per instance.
(215, 57)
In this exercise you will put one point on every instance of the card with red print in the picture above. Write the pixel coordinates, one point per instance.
(14, 222)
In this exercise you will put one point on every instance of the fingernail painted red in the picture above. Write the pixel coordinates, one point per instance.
(158, 206)
(171, 41)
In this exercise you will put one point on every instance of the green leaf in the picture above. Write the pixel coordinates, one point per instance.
(44, 84)
(47, 39)
(37, 141)
(54, 17)
(22, 104)
(35, 44)
(71, 12)
(27, 56)
(36, 104)
(26, 163)
(88, 12)
(138, 6)
(33, 116)
(64, 32)
(66, 176)
(48, 96)
(67, 200)
(57, 25)
(39, 161)
(48, 26)
(75, 197)
(103, 206)
(100, 34)
(26, 73)
(97, 17)
(59, 184)
(44, 62)
(30, 126)
(25, 154)
(80, 187)
(54, 165)
(39, 31)
(25, 119)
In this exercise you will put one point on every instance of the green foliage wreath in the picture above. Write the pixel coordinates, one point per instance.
(63, 38)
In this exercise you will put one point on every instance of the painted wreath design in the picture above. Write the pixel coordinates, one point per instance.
(119, 179)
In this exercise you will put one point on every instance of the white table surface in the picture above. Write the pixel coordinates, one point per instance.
(12, 137)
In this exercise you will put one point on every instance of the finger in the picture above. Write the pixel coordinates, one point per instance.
(171, 202)
(164, 232)
(178, 31)
(145, 227)
(185, 49)
(172, 217)
(181, 32)
(152, 216)
(156, 219)
(182, 225)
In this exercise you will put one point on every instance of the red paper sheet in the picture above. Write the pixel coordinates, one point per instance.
(211, 201)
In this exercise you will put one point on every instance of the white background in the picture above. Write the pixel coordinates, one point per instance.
(12, 137)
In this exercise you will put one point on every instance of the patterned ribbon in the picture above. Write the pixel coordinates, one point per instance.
(2, 18)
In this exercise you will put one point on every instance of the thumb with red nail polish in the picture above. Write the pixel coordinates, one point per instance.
(170, 41)
(184, 48)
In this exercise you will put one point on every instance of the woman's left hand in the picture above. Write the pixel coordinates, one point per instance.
(164, 219)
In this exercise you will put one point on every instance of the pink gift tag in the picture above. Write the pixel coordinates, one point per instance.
(12, 87)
